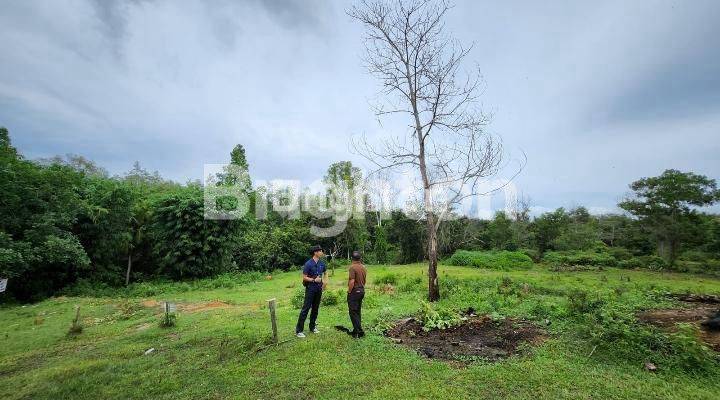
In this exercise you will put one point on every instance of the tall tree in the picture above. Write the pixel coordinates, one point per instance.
(548, 227)
(666, 205)
(239, 173)
(345, 185)
(418, 65)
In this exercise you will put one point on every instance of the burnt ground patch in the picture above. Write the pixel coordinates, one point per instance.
(694, 310)
(477, 338)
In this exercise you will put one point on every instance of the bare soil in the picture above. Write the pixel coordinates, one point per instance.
(190, 307)
(199, 307)
(695, 310)
(476, 338)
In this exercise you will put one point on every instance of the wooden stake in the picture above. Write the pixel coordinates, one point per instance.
(271, 306)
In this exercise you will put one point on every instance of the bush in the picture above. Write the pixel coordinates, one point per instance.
(384, 321)
(511, 259)
(298, 298)
(631, 263)
(697, 261)
(570, 258)
(532, 253)
(435, 316)
(330, 298)
(412, 284)
(502, 260)
(462, 258)
(168, 320)
(693, 255)
(387, 279)
(653, 262)
(620, 253)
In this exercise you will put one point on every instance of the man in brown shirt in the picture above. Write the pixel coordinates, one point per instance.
(356, 292)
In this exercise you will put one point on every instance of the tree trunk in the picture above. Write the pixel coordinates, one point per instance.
(129, 268)
(433, 287)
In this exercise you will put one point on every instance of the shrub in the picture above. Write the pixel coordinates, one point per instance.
(512, 259)
(581, 303)
(693, 255)
(298, 298)
(502, 260)
(329, 298)
(412, 284)
(435, 316)
(462, 258)
(631, 263)
(653, 262)
(532, 253)
(569, 258)
(387, 279)
(168, 320)
(384, 321)
(620, 253)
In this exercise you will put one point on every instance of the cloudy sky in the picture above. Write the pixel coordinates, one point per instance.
(596, 94)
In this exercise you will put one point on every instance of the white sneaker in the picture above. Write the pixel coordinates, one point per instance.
(315, 330)
(300, 335)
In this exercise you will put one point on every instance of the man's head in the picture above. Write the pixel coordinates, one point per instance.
(356, 256)
(316, 251)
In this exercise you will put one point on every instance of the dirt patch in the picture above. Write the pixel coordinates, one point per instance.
(199, 307)
(150, 303)
(189, 307)
(477, 338)
(696, 310)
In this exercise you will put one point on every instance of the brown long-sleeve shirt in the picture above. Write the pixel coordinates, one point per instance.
(358, 272)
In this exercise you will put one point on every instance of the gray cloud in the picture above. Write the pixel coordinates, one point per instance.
(596, 94)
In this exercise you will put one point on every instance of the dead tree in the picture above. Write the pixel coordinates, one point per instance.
(420, 69)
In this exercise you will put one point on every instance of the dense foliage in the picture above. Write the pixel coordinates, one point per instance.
(502, 260)
(66, 221)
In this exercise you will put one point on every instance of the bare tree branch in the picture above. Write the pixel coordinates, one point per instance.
(420, 70)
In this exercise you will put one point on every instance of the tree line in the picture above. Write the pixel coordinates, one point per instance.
(66, 220)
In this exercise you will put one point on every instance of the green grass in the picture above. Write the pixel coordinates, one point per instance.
(213, 354)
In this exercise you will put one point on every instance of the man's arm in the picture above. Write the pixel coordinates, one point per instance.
(351, 280)
(308, 279)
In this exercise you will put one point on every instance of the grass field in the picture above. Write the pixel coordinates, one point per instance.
(212, 352)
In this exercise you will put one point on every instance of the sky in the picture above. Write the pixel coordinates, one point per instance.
(594, 94)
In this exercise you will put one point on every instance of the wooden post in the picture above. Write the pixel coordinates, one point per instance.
(271, 306)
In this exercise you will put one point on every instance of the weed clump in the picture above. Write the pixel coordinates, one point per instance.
(434, 316)
(387, 279)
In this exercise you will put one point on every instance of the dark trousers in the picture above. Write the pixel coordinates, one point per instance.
(354, 300)
(313, 293)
